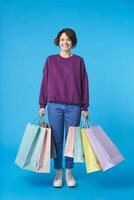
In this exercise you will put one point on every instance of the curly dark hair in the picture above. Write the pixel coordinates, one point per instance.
(70, 33)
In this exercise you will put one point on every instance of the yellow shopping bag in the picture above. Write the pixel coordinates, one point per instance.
(91, 161)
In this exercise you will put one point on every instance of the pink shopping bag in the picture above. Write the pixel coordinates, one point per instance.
(105, 150)
(69, 146)
(43, 164)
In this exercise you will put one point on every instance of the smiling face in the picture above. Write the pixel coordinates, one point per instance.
(64, 42)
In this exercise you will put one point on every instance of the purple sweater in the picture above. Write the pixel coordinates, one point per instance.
(64, 80)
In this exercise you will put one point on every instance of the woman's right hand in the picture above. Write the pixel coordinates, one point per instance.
(42, 111)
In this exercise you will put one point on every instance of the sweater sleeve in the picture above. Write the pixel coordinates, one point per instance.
(43, 88)
(85, 87)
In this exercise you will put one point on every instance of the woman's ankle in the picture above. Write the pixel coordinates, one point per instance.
(68, 169)
(59, 170)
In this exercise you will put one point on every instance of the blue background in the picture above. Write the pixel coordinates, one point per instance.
(105, 34)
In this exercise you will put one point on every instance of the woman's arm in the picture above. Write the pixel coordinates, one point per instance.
(85, 87)
(43, 88)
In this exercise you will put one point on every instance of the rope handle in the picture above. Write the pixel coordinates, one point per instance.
(41, 121)
(85, 123)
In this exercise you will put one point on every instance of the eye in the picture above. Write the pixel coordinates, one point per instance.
(62, 39)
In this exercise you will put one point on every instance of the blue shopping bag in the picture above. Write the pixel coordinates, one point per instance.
(27, 145)
(78, 146)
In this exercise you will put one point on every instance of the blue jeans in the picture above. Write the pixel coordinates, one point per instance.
(62, 115)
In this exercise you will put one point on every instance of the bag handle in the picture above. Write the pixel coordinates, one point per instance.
(85, 123)
(41, 122)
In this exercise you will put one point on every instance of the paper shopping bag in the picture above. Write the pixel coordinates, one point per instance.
(43, 156)
(34, 158)
(91, 161)
(105, 150)
(34, 150)
(69, 145)
(27, 145)
(78, 146)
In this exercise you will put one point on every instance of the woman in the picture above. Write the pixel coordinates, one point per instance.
(64, 89)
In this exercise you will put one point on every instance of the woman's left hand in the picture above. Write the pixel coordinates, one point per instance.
(85, 114)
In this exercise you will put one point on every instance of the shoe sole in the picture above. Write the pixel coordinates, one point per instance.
(58, 186)
(71, 186)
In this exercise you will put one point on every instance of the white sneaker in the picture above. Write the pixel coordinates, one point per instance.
(70, 179)
(58, 179)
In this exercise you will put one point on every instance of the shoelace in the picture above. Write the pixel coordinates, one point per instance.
(58, 176)
(69, 176)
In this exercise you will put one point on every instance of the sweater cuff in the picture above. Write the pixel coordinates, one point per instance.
(42, 105)
(84, 109)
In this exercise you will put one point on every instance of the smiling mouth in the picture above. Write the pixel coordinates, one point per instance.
(65, 46)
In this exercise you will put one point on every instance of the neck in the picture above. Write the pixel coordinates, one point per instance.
(65, 53)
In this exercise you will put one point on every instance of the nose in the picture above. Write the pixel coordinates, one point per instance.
(65, 42)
